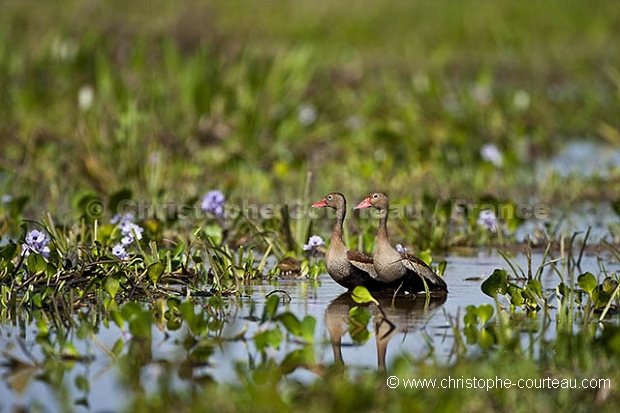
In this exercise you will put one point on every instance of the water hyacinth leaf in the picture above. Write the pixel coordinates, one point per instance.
(214, 233)
(112, 285)
(563, 289)
(308, 325)
(155, 270)
(297, 358)
(471, 316)
(361, 295)
(118, 347)
(70, 351)
(359, 315)
(497, 283)
(7, 252)
(42, 328)
(36, 264)
(609, 285)
(202, 352)
(426, 257)
(290, 322)
(587, 282)
(271, 306)
(535, 287)
(485, 339)
(600, 297)
(516, 298)
(485, 312)
(139, 320)
(358, 321)
(441, 268)
(268, 339)
(82, 383)
(37, 299)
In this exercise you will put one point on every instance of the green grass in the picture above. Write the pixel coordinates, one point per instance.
(195, 96)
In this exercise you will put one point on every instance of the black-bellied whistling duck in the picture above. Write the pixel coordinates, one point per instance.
(339, 258)
(392, 265)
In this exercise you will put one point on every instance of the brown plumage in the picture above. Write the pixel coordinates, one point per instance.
(391, 265)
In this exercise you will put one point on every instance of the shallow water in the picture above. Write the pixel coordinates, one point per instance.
(416, 327)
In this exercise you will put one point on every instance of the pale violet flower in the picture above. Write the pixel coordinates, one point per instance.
(127, 240)
(213, 203)
(36, 241)
(401, 249)
(118, 250)
(488, 219)
(7, 198)
(119, 218)
(490, 153)
(129, 229)
(313, 242)
(306, 114)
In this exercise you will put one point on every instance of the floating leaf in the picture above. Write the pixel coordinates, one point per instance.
(36, 263)
(308, 325)
(485, 312)
(441, 268)
(535, 287)
(497, 283)
(82, 383)
(471, 316)
(271, 306)
(358, 321)
(112, 286)
(290, 322)
(361, 295)
(426, 257)
(155, 271)
(587, 282)
(214, 233)
(297, 358)
(609, 285)
(485, 338)
(268, 338)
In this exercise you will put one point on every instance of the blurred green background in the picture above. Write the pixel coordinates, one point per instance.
(170, 99)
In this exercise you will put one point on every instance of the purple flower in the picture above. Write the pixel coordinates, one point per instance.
(36, 241)
(313, 242)
(213, 203)
(488, 219)
(119, 252)
(491, 153)
(131, 230)
(118, 218)
(401, 249)
(7, 198)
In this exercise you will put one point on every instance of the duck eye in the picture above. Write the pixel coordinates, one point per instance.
(375, 196)
(329, 197)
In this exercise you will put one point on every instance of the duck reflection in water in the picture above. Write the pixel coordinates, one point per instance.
(400, 314)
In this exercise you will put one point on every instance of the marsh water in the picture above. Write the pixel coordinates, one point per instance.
(419, 328)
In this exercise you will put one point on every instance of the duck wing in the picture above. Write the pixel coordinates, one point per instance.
(415, 264)
(362, 262)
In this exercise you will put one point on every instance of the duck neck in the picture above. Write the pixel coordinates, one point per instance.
(383, 233)
(337, 231)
